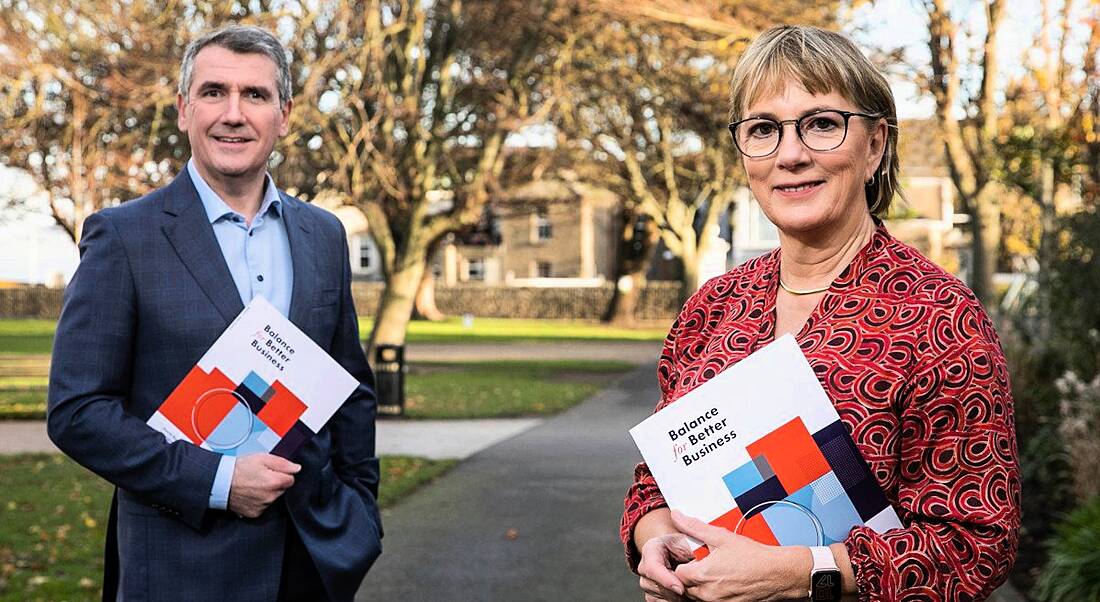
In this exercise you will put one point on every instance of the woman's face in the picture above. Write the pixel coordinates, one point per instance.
(814, 192)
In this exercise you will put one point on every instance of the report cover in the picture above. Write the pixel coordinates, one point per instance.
(263, 386)
(761, 447)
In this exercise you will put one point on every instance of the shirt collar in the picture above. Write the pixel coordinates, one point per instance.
(216, 208)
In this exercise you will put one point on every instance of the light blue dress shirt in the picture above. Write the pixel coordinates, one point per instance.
(258, 256)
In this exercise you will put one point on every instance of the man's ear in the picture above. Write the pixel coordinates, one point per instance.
(181, 112)
(284, 121)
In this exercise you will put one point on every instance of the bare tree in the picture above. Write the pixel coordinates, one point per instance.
(1044, 148)
(970, 144)
(86, 99)
(414, 97)
(648, 100)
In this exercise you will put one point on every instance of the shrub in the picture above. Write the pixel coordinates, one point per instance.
(1073, 572)
(1080, 413)
(1045, 473)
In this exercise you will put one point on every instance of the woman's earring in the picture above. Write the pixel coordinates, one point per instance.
(870, 182)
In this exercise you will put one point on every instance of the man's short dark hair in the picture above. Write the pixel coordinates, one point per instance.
(244, 39)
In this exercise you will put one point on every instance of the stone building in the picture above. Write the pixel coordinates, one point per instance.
(548, 232)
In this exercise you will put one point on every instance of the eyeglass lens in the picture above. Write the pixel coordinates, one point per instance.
(819, 131)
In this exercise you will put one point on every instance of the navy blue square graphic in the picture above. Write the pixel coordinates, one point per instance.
(851, 469)
(768, 491)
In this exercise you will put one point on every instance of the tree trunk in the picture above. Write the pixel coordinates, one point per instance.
(1048, 223)
(396, 306)
(622, 311)
(984, 230)
(689, 276)
(637, 245)
(425, 308)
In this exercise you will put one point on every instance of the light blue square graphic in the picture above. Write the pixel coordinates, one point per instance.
(792, 527)
(256, 384)
(743, 478)
(249, 447)
(267, 438)
(233, 430)
(261, 439)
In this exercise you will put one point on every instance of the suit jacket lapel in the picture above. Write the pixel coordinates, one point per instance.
(301, 253)
(189, 231)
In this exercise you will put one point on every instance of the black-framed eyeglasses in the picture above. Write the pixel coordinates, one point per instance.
(822, 130)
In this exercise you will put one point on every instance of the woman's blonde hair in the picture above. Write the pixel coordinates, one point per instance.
(823, 62)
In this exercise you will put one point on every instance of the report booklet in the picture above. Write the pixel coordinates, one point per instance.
(759, 449)
(263, 386)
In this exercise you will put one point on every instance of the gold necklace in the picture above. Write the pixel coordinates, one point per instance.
(797, 292)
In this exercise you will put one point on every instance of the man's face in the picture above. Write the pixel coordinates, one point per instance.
(232, 114)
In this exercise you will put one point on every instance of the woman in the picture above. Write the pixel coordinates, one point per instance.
(904, 350)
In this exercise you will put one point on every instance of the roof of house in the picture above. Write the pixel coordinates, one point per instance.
(555, 190)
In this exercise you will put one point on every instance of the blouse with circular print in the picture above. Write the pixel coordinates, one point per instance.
(912, 363)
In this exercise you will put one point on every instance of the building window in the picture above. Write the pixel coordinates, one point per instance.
(544, 269)
(364, 253)
(544, 230)
(475, 269)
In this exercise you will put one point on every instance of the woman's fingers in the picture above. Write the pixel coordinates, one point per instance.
(661, 576)
(708, 534)
(659, 555)
(655, 593)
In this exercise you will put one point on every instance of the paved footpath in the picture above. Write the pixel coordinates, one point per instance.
(532, 518)
(436, 439)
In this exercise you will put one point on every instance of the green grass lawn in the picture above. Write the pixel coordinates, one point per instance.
(26, 328)
(27, 344)
(30, 337)
(53, 516)
(23, 405)
(26, 336)
(499, 330)
(504, 388)
(433, 390)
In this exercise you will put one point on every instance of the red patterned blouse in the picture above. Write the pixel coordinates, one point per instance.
(911, 361)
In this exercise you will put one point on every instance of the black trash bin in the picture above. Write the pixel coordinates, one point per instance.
(389, 379)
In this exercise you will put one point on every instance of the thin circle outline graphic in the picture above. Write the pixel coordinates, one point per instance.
(205, 397)
(817, 522)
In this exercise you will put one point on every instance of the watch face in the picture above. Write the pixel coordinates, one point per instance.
(825, 586)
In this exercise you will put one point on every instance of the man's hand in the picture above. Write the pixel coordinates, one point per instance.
(259, 480)
(660, 555)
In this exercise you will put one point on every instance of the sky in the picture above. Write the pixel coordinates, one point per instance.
(32, 248)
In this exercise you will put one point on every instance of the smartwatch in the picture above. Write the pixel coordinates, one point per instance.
(825, 576)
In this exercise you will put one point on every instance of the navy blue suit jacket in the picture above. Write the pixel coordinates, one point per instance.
(151, 294)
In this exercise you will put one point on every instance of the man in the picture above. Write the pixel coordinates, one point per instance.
(160, 278)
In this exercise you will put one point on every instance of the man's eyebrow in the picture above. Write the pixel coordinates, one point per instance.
(262, 90)
(216, 85)
(211, 85)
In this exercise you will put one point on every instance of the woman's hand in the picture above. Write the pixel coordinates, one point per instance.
(739, 568)
(660, 555)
